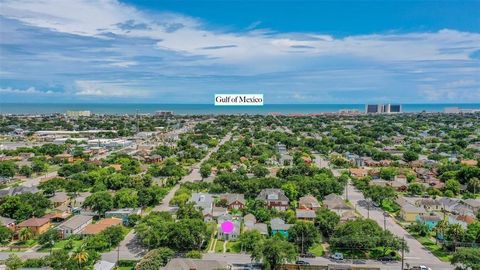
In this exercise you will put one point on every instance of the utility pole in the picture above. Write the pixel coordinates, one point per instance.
(403, 251)
(346, 190)
(385, 221)
(302, 244)
(368, 209)
(118, 253)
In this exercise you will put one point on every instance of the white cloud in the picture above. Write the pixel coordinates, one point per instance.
(461, 90)
(108, 89)
(30, 90)
(189, 36)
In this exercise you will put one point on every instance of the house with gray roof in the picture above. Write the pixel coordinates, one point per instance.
(472, 204)
(74, 225)
(250, 223)
(336, 203)
(305, 214)
(202, 200)
(234, 200)
(279, 226)
(8, 222)
(275, 198)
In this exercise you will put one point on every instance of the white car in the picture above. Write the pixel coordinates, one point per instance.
(423, 267)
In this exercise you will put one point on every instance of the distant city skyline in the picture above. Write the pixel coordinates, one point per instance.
(328, 52)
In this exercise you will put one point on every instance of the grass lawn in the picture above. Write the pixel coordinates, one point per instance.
(316, 250)
(219, 246)
(436, 249)
(233, 247)
(61, 244)
(53, 168)
(28, 243)
(126, 268)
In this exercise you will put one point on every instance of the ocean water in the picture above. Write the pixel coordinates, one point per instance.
(129, 108)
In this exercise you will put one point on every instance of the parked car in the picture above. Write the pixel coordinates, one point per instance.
(337, 256)
(299, 262)
(421, 267)
(386, 259)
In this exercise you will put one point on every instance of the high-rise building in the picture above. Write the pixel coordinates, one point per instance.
(373, 108)
(392, 108)
(383, 108)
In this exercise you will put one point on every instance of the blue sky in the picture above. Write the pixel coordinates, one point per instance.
(171, 51)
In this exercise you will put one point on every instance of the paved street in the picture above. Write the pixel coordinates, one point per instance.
(418, 255)
(193, 176)
(245, 258)
(130, 248)
(30, 182)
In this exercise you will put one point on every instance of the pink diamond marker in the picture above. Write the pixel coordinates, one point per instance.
(227, 227)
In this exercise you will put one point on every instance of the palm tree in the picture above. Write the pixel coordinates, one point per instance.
(475, 183)
(455, 232)
(25, 234)
(440, 229)
(80, 256)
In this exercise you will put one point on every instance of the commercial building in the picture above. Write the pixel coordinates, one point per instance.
(163, 113)
(79, 113)
(458, 110)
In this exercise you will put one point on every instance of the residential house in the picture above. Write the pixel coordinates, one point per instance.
(275, 198)
(472, 204)
(336, 203)
(358, 172)
(104, 265)
(230, 235)
(430, 220)
(463, 209)
(429, 204)
(249, 220)
(448, 204)
(195, 264)
(349, 215)
(261, 227)
(8, 222)
(462, 220)
(281, 148)
(233, 200)
(202, 200)
(64, 157)
(424, 174)
(57, 216)
(74, 225)
(123, 213)
(469, 162)
(250, 223)
(59, 198)
(213, 213)
(100, 226)
(308, 202)
(36, 225)
(278, 226)
(79, 199)
(305, 215)
(400, 186)
(285, 159)
(409, 212)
